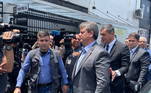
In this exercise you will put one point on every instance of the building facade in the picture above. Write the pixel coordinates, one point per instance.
(126, 15)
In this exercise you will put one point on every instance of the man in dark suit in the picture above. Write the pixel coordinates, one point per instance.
(139, 61)
(91, 71)
(120, 56)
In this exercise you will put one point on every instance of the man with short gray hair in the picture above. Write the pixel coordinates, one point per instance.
(119, 56)
(91, 71)
(143, 44)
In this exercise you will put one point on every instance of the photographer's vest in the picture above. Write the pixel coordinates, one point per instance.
(35, 68)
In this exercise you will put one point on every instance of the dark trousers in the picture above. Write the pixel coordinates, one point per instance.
(129, 87)
(118, 85)
(3, 82)
(43, 89)
(129, 90)
(70, 90)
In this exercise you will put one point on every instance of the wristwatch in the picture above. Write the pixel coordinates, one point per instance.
(8, 47)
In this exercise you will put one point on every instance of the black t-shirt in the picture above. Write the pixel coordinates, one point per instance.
(70, 62)
(1, 55)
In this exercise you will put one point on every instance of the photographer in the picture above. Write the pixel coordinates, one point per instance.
(71, 59)
(67, 44)
(6, 59)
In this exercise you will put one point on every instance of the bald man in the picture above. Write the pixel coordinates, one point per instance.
(143, 44)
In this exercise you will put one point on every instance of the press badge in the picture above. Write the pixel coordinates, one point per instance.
(69, 61)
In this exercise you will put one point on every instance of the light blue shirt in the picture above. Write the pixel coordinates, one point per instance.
(45, 70)
(132, 51)
(84, 51)
(149, 51)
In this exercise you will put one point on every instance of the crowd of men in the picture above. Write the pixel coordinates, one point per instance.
(109, 67)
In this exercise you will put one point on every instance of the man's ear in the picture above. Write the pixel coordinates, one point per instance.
(91, 33)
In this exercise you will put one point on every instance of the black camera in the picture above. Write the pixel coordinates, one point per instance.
(17, 37)
(68, 44)
(67, 40)
(5, 28)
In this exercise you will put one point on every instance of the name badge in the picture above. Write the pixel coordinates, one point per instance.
(69, 62)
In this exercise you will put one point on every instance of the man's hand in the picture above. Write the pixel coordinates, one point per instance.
(1, 67)
(17, 90)
(76, 53)
(65, 88)
(8, 57)
(8, 35)
(113, 73)
(2, 70)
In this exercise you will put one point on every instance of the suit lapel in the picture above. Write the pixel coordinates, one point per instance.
(134, 54)
(113, 49)
(82, 62)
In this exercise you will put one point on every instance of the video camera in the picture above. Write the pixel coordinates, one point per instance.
(17, 37)
(68, 44)
(67, 40)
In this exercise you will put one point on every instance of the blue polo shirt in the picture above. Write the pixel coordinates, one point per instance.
(45, 75)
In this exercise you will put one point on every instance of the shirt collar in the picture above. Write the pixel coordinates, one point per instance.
(48, 52)
(133, 49)
(112, 43)
(89, 46)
